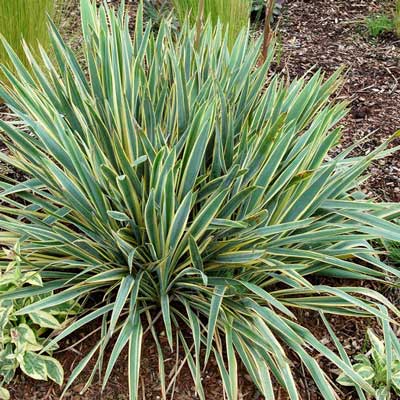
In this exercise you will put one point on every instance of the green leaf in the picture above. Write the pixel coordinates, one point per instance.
(55, 300)
(81, 366)
(34, 366)
(4, 394)
(24, 338)
(344, 380)
(378, 348)
(45, 320)
(365, 371)
(268, 298)
(179, 222)
(118, 216)
(215, 306)
(124, 291)
(396, 379)
(195, 254)
(382, 393)
(33, 278)
(165, 309)
(54, 369)
(120, 343)
(134, 356)
(79, 323)
(196, 332)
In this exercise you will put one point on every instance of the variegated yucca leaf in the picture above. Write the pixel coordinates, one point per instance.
(185, 184)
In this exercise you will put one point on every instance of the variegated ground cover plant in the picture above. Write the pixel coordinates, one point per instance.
(183, 184)
(22, 337)
(374, 368)
(379, 366)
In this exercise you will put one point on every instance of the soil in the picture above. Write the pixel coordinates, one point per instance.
(312, 34)
(350, 331)
(117, 387)
(328, 34)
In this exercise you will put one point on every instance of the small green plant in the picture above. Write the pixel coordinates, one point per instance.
(191, 194)
(379, 367)
(22, 338)
(379, 24)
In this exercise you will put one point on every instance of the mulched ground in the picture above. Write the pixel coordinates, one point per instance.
(326, 34)
(350, 331)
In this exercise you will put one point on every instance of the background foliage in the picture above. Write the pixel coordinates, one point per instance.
(233, 14)
(23, 337)
(24, 19)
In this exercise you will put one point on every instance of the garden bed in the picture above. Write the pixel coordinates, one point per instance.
(325, 34)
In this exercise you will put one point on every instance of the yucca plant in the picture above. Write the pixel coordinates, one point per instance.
(233, 14)
(176, 183)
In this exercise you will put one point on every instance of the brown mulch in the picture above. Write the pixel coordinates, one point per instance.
(326, 34)
(350, 331)
(117, 387)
